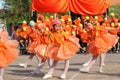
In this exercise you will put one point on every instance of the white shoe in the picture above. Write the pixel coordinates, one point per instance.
(47, 76)
(101, 70)
(23, 65)
(84, 70)
(85, 64)
(1, 78)
(103, 64)
(62, 76)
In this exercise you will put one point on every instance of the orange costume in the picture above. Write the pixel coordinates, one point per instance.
(43, 49)
(100, 40)
(66, 45)
(4, 37)
(34, 37)
(8, 53)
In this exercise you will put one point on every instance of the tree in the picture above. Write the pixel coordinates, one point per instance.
(20, 10)
(115, 9)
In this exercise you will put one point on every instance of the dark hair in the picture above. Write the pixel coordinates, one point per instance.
(101, 23)
(118, 34)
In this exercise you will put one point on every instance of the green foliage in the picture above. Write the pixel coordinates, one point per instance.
(115, 9)
(20, 11)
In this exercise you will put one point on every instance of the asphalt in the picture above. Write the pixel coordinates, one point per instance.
(111, 69)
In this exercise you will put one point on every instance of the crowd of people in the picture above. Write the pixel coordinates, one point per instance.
(60, 38)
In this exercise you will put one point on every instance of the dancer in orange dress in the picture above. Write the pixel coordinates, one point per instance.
(65, 46)
(5, 37)
(98, 19)
(42, 50)
(34, 40)
(100, 41)
(38, 46)
(7, 53)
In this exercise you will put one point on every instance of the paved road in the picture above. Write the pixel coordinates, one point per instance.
(111, 69)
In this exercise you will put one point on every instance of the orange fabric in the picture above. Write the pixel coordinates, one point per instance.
(18, 31)
(48, 38)
(7, 54)
(2, 44)
(66, 35)
(83, 37)
(34, 35)
(44, 51)
(77, 22)
(58, 38)
(113, 32)
(36, 40)
(23, 34)
(67, 49)
(50, 5)
(28, 31)
(103, 41)
(88, 7)
(84, 7)
(107, 3)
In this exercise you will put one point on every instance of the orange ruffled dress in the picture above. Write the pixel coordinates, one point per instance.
(35, 38)
(66, 46)
(4, 36)
(44, 49)
(7, 54)
(100, 40)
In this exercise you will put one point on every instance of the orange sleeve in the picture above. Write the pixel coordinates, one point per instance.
(58, 38)
(18, 31)
(66, 34)
(23, 34)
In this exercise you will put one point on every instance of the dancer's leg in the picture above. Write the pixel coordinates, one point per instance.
(90, 64)
(41, 64)
(27, 61)
(87, 63)
(102, 58)
(49, 62)
(51, 70)
(1, 73)
(66, 66)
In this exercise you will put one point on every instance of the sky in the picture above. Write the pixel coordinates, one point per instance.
(2, 4)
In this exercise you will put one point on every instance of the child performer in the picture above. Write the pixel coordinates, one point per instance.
(8, 53)
(100, 41)
(42, 49)
(34, 39)
(65, 46)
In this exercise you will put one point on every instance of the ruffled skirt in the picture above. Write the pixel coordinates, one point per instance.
(7, 56)
(102, 44)
(12, 43)
(44, 51)
(66, 50)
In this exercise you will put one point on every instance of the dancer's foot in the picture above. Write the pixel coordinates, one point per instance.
(85, 64)
(63, 76)
(84, 70)
(101, 70)
(47, 76)
(1, 78)
(23, 65)
(103, 64)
